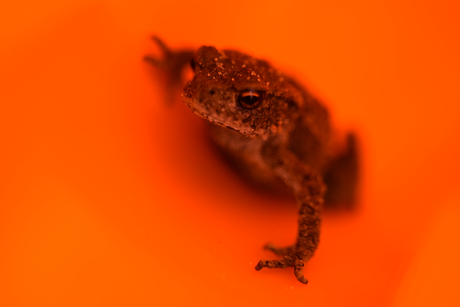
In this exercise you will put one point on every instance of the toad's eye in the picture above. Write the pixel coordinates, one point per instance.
(250, 99)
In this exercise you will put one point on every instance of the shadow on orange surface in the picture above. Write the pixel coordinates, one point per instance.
(109, 197)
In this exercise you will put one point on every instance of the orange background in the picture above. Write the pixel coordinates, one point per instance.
(110, 198)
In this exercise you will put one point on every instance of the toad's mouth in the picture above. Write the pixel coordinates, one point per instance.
(207, 117)
(226, 124)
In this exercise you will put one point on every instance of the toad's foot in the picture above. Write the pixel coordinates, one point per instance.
(172, 63)
(293, 259)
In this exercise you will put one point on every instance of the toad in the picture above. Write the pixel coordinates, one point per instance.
(274, 131)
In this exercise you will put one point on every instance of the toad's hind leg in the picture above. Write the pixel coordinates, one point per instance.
(341, 177)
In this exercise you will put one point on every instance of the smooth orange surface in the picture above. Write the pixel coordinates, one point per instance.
(108, 197)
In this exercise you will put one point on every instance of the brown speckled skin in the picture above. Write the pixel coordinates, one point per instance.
(287, 137)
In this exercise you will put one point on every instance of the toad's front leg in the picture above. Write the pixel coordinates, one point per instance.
(172, 63)
(309, 191)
